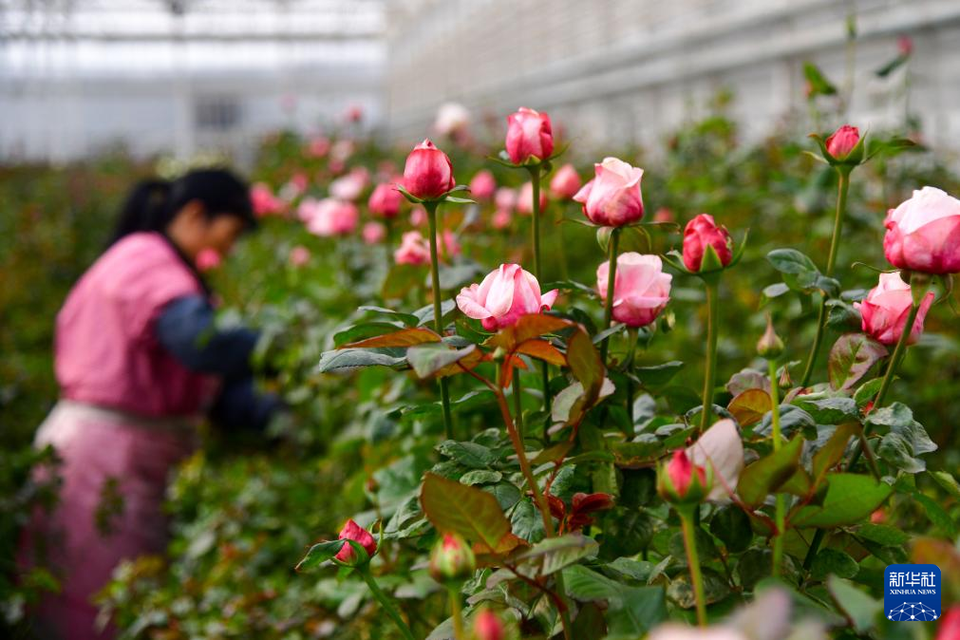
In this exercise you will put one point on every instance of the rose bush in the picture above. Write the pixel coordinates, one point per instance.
(552, 479)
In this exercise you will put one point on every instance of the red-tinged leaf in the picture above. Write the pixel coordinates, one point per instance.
(472, 359)
(585, 364)
(403, 338)
(850, 359)
(750, 406)
(766, 475)
(590, 502)
(532, 325)
(542, 350)
(506, 370)
(476, 515)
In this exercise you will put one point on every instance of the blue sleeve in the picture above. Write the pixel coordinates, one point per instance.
(241, 406)
(186, 330)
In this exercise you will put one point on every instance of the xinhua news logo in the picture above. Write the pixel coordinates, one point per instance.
(911, 592)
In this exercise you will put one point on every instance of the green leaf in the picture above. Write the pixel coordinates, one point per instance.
(773, 291)
(363, 331)
(626, 532)
(850, 498)
(830, 410)
(456, 508)
(800, 273)
(765, 476)
(732, 527)
(833, 562)
(480, 476)
(859, 608)
(355, 358)
(428, 359)
(553, 554)
(947, 481)
(937, 514)
(632, 610)
(851, 357)
(818, 83)
(469, 454)
(658, 374)
(866, 392)
(320, 553)
(906, 438)
(408, 319)
(882, 534)
(641, 453)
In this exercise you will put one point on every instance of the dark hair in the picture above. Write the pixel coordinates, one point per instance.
(152, 204)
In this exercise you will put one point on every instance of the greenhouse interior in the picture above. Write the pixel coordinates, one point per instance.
(479, 319)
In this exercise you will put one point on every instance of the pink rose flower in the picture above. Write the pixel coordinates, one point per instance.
(504, 296)
(663, 214)
(299, 256)
(385, 201)
(208, 259)
(506, 199)
(842, 142)
(700, 233)
(641, 289)
(318, 147)
(501, 219)
(612, 198)
(565, 183)
(374, 233)
(352, 531)
(905, 45)
(525, 199)
(885, 309)
(483, 185)
(949, 628)
(350, 186)
(528, 135)
(263, 201)
(418, 217)
(488, 626)
(414, 249)
(449, 246)
(923, 233)
(331, 217)
(428, 172)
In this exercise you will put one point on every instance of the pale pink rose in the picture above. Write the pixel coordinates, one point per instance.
(612, 198)
(923, 233)
(641, 289)
(414, 249)
(342, 150)
(208, 259)
(842, 141)
(350, 186)
(374, 233)
(885, 309)
(501, 219)
(263, 201)
(418, 217)
(529, 135)
(333, 218)
(700, 233)
(452, 119)
(428, 172)
(506, 199)
(503, 296)
(483, 185)
(385, 201)
(565, 183)
(318, 147)
(678, 631)
(525, 199)
(299, 256)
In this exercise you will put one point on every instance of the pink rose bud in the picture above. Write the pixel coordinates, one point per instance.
(703, 232)
(350, 186)
(923, 233)
(565, 183)
(641, 289)
(504, 296)
(353, 531)
(451, 559)
(680, 481)
(501, 219)
(488, 626)
(528, 136)
(374, 233)
(525, 199)
(905, 45)
(354, 113)
(506, 199)
(385, 201)
(842, 142)
(299, 256)
(414, 249)
(885, 309)
(208, 259)
(663, 214)
(483, 185)
(949, 628)
(449, 246)
(612, 198)
(318, 147)
(428, 173)
(263, 201)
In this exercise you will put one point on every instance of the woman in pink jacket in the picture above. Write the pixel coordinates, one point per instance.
(139, 362)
